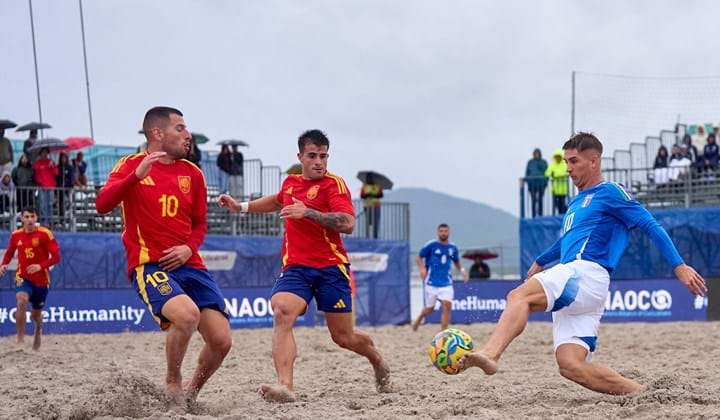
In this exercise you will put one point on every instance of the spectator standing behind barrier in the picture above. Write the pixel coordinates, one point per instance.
(371, 193)
(45, 173)
(194, 154)
(536, 181)
(660, 167)
(235, 180)
(79, 168)
(224, 163)
(679, 163)
(6, 153)
(479, 270)
(24, 179)
(711, 154)
(64, 181)
(7, 189)
(700, 137)
(692, 151)
(32, 137)
(557, 172)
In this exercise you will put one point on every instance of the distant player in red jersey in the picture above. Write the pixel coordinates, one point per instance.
(164, 204)
(316, 207)
(37, 252)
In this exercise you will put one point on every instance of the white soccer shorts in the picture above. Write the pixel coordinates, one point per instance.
(576, 294)
(433, 294)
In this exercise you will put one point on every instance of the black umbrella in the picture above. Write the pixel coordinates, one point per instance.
(377, 178)
(5, 124)
(53, 144)
(233, 142)
(33, 126)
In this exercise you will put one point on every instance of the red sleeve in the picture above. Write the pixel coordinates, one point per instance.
(54, 250)
(339, 198)
(199, 213)
(279, 196)
(10, 251)
(120, 180)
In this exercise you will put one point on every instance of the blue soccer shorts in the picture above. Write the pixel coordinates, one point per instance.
(36, 294)
(156, 286)
(330, 286)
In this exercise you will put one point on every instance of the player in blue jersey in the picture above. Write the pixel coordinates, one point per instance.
(594, 236)
(435, 261)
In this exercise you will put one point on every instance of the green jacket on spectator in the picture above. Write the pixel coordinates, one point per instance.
(557, 172)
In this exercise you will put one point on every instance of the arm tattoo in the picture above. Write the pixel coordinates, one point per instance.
(334, 221)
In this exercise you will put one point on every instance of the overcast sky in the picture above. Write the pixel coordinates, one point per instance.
(452, 96)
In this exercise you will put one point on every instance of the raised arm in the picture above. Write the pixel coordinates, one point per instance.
(267, 204)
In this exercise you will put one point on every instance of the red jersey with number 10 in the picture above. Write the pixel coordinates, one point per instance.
(167, 208)
(306, 242)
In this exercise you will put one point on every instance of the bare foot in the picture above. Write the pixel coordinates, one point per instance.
(477, 359)
(415, 326)
(382, 378)
(276, 393)
(36, 342)
(190, 392)
(177, 397)
(639, 391)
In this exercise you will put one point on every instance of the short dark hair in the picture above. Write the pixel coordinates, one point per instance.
(583, 141)
(158, 115)
(29, 209)
(443, 225)
(314, 136)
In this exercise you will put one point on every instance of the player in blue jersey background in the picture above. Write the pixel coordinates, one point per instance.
(594, 235)
(435, 260)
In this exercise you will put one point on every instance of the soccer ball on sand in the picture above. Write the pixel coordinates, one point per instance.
(448, 347)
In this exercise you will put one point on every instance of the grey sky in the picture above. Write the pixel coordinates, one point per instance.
(452, 96)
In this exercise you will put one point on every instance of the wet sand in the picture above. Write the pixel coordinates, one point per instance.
(121, 376)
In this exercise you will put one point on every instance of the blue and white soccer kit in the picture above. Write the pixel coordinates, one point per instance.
(595, 233)
(438, 258)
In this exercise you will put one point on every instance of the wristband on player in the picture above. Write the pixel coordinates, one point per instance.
(244, 207)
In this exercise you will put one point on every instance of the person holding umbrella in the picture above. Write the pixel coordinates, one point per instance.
(33, 128)
(6, 150)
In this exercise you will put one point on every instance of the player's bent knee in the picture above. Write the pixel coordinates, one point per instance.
(573, 370)
(186, 319)
(220, 343)
(447, 305)
(283, 315)
(343, 339)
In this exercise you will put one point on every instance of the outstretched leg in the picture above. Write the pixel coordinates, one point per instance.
(445, 317)
(573, 365)
(529, 296)
(21, 315)
(286, 308)
(184, 317)
(425, 312)
(215, 330)
(343, 334)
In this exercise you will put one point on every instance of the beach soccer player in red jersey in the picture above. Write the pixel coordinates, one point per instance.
(164, 204)
(316, 207)
(37, 252)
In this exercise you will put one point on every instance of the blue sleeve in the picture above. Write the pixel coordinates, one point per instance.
(424, 251)
(551, 254)
(456, 254)
(633, 215)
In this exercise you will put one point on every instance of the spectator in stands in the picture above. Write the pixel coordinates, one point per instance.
(235, 179)
(479, 270)
(716, 130)
(194, 154)
(371, 193)
(24, 180)
(536, 181)
(700, 137)
(45, 173)
(711, 155)
(32, 137)
(79, 168)
(557, 172)
(224, 163)
(691, 150)
(7, 189)
(679, 166)
(64, 181)
(661, 174)
(6, 153)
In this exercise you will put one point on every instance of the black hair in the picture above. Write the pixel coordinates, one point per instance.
(583, 141)
(30, 209)
(158, 116)
(315, 136)
(443, 225)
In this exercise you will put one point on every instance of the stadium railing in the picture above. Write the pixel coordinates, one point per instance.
(656, 189)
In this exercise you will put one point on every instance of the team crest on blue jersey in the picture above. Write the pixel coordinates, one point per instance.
(184, 183)
(312, 192)
(587, 200)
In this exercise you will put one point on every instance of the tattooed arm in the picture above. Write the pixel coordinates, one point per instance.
(337, 221)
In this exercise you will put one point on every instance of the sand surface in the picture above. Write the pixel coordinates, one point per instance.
(121, 376)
